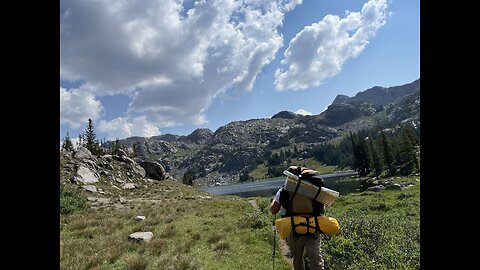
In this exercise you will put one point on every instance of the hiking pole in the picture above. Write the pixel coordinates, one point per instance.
(274, 240)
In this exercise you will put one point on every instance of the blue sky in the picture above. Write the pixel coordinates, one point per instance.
(145, 68)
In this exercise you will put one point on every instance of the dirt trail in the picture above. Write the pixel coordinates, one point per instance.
(281, 243)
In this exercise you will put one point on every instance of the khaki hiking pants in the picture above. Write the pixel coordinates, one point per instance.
(297, 246)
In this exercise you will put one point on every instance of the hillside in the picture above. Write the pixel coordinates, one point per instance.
(241, 146)
(381, 96)
(187, 229)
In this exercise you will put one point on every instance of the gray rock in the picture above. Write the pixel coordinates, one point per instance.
(85, 175)
(82, 153)
(141, 236)
(120, 152)
(69, 167)
(98, 201)
(139, 218)
(118, 180)
(139, 170)
(394, 186)
(108, 157)
(90, 162)
(128, 160)
(128, 186)
(375, 188)
(106, 165)
(90, 188)
(154, 170)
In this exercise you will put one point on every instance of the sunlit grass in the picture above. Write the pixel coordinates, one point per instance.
(192, 231)
(188, 234)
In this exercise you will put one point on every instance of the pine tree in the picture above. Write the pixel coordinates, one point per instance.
(80, 141)
(387, 152)
(116, 147)
(91, 143)
(355, 164)
(362, 151)
(360, 156)
(188, 177)
(406, 157)
(375, 158)
(411, 135)
(67, 144)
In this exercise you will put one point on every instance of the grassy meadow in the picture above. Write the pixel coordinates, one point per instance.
(194, 230)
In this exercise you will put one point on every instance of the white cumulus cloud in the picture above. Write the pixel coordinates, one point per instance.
(320, 50)
(128, 127)
(77, 106)
(303, 112)
(172, 60)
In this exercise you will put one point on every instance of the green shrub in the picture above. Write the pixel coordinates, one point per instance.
(71, 199)
(254, 219)
(264, 204)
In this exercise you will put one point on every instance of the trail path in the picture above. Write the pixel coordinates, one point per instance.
(281, 243)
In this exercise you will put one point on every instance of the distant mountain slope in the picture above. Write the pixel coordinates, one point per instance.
(380, 96)
(223, 154)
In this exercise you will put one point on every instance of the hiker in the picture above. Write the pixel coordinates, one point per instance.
(297, 243)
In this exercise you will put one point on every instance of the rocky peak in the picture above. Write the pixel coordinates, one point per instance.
(380, 96)
(285, 115)
(199, 136)
(166, 137)
(340, 113)
(340, 99)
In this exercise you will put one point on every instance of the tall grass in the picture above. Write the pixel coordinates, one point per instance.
(378, 231)
(188, 234)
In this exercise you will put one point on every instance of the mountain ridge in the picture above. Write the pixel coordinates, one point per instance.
(222, 154)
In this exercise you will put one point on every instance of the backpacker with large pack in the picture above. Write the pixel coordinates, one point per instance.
(304, 197)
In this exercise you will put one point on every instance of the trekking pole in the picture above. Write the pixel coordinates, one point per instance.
(274, 240)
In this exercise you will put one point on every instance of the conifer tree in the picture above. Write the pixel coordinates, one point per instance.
(375, 158)
(116, 147)
(406, 157)
(90, 141)
(388, 159)
(360, 157)
(80, 141)
(355, 164)
(188, 177)
(67, 143)
(411, 135)
(362, 152)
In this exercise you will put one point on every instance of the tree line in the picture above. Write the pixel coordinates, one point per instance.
(89, 140)
(371, 152)
(374, 152)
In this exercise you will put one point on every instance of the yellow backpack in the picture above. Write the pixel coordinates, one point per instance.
(304, 225)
